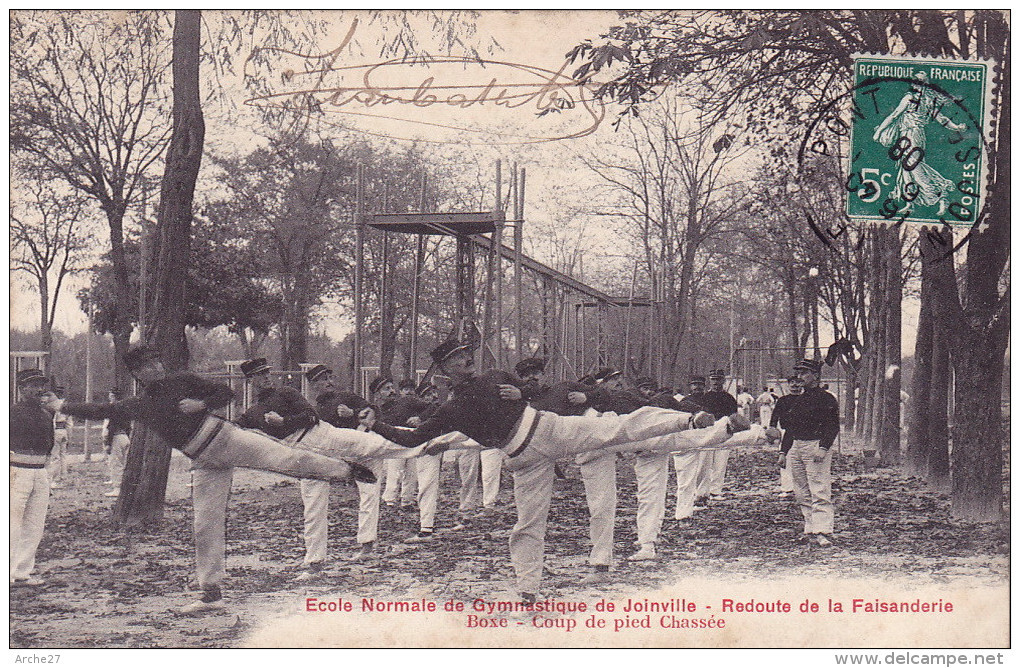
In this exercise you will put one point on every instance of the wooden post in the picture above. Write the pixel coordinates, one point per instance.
(518, 243)
(419, 260)
(579, 337)
(497, 244)
(601, 310)
(626, 326)
(465, 278)
(545, 317)
(88, 385)
(490, 264)
(359, 270)
(385, 322)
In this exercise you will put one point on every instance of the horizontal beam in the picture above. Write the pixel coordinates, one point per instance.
(474, 222)
(621, 301)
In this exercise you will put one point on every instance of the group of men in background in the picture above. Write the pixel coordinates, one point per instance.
(392, 444)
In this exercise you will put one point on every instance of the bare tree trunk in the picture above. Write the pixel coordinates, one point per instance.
(938, 470)
(876, 316)
(978, 325)
(889, 433)
(918, 439)
(866, 396)
(977, 430)
(144, 486)
(928, 443)
(791, 301)
(853, 382)
(294, 342)
(121, 329)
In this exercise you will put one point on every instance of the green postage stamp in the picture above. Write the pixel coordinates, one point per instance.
(918, 140)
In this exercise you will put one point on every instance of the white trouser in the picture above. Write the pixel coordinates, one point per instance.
(210, 494)
(813, 485)
(224, 446)
(469, 467)
(117, 458)
(315, 504)
(492, 468)
(368, 505)
(366, 447)
(786, 479)
(652, 473)
(765, 415)
(428, 468)
(401, 481)
(332, 441)
(717, 471)
(692, 478)
(220, 444)
(599, 477)
(556, 437)
(718, 458)
(30, 499)
(58, 460)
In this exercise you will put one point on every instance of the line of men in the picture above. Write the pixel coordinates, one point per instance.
(513, 421)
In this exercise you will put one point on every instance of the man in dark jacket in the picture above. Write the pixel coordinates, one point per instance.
(30, 447)
(277, 411)
(280, 412)
(812, 424)
(177, 407)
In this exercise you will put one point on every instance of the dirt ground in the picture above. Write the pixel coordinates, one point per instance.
(107, 588)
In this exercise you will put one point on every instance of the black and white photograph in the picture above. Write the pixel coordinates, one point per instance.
(477, 328)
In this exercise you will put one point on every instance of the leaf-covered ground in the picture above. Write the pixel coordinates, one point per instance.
(107, 588)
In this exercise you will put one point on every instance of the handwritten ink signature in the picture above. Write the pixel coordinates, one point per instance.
(441, 93)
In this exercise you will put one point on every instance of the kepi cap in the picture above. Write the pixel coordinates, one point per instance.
(255, 367)
(444, 350)
(529, 364)
(317, 372)
(646, 381)
(26, 376)
(606, 373)
(378, 382)
(136, 358)
(814, 366)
